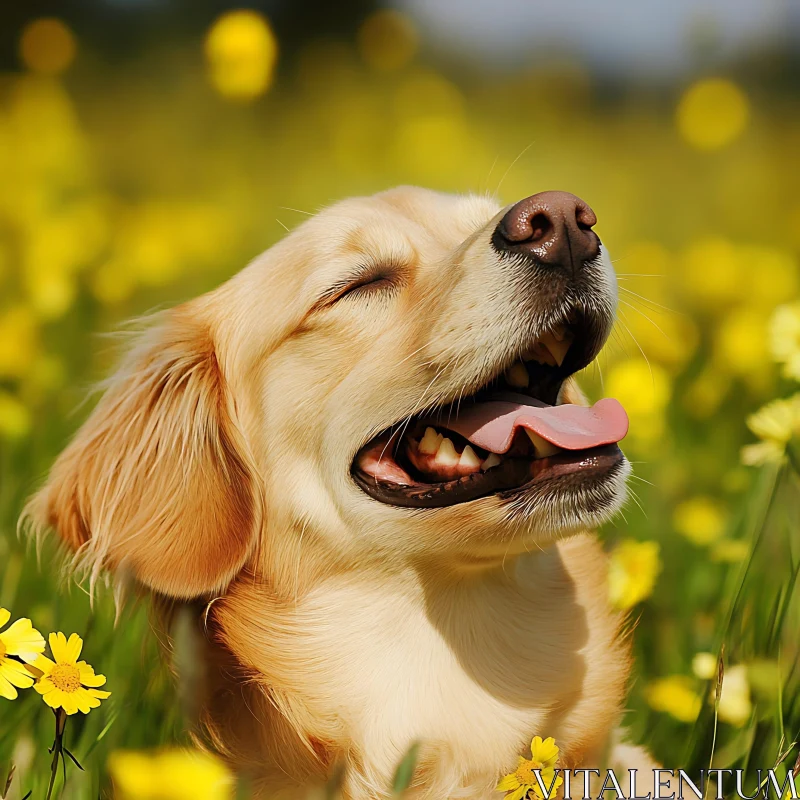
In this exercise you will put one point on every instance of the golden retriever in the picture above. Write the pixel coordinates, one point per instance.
(363, 459)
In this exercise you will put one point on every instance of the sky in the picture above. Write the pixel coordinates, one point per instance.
(655, 36)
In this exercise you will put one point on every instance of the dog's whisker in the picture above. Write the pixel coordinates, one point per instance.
(407, 420)
(511, 166)
(633, 496)
(636, 342)
(297, 210)
(491, 170)
(651, 321)
(650, 303)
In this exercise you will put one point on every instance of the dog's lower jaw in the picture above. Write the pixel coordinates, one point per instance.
(472, 665)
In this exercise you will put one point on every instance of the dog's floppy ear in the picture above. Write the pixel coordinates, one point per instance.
(158, 481)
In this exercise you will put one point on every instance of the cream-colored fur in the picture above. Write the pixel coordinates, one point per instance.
(341, 630)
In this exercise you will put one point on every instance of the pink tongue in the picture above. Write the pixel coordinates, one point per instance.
(491, 425)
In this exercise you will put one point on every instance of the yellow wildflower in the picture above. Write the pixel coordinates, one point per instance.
(712, 113)
(66, 682)
(632, 573)
(644, 390)
(704, 666)
(700, 519)
(21, 642)
(775, 424)
(734, 701)
(241, 51)
(784, 332)
(544, 755)
(15, 419)
(730, 551)
(740, 346)
(674, 695)
(175, 774)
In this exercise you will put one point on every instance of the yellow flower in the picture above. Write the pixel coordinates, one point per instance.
(674, 695)
(241, 51)
(713, 112)
(644, 390)
(734, 701)
(784, 329)
(176, 774)
(740, 346)
(700, 519)
(730, 551)
(633, 569)
(66, 682)
(15, 419)
(544, 755)
(775, 424)
(21, 642)
(704, 665)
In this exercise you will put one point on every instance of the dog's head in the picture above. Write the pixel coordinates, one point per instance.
(391, 381)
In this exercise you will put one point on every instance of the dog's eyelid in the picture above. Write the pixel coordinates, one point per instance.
(386, 273)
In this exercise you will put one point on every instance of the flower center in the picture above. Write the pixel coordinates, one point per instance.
(525, 773)
(66, 677)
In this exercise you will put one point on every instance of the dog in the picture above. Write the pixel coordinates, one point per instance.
(365, 461)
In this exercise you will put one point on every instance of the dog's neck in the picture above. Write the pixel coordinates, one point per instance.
(472, 661)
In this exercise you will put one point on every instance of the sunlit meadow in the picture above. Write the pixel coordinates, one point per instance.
(126, 189)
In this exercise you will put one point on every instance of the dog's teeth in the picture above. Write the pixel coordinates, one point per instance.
(543, 355)
(557, 348)
(469, 459)
(429, 443)
(542, 447)
(517, 375)
(492, 460)
(446, 455)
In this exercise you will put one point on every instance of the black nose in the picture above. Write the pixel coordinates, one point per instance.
(555, 228)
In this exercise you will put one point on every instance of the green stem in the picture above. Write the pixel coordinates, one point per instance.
(57, 749)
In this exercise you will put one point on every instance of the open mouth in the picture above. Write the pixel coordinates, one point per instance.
(505, 438)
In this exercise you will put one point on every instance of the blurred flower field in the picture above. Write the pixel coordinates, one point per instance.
(132, 187)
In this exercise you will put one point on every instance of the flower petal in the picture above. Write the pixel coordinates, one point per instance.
(507, 783)
(74, 647)
(545, 752)
(44, 685)
(70, 703)
(5, 616)
(58, 647)
(518, 794)
(15, 673)
(23, 640)
(43, 664)
(99, 694)
(88, 675)
(7, 690)
(84, 701)
(54, 698)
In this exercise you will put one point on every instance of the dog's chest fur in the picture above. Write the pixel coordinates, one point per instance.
(471, 666)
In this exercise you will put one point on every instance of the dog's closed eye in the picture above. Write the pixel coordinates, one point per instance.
(367, 279)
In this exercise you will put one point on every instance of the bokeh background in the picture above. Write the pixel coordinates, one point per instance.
(150, 148)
